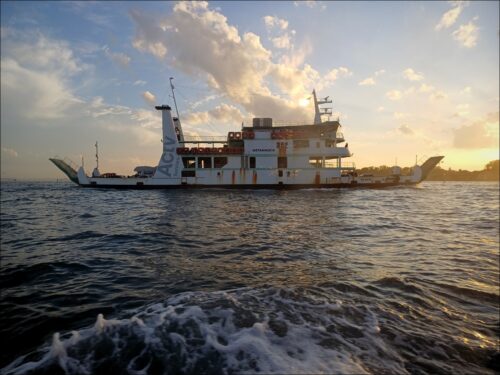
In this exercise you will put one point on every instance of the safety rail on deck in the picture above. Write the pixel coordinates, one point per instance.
(248, 123)
(205, 139)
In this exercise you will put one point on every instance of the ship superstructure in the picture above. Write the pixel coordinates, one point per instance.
(260, 155)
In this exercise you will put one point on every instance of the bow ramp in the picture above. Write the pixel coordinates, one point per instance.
(66, 167)
(429, 165)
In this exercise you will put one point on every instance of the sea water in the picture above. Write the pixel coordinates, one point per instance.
(397, 280)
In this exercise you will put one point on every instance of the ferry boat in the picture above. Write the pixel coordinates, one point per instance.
(260, 155)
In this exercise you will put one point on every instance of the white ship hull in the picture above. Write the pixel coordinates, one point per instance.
(258, 157)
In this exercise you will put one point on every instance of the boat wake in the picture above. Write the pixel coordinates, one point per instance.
(266, 330)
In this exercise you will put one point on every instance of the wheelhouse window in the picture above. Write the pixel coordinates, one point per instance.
(316, 162)
(330, 143)
(301, 143)
(204, 162)
(189, 162)
(282, 162)
(252, 161)
(220, 161)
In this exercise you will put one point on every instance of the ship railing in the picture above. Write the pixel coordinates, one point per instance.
(249, 122)
(348, 165)
(204, 139)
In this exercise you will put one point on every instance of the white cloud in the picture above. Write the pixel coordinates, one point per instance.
(466, 90)
(117, 57)
(450, 17)
(272, 21)
(394, 95)
(380, 109)
(462, 110)
(282, 41)
(406, 130)
(204, 46)
(310, 3)
(480, 134)
(437, 95)
(411, 75)
(9, 152)
(379, 72)
(37, 70)
(139, 83)
(467, 34)
(149, 97)
(367, 82)
(426, 88)
(400, 115)
(223, 113)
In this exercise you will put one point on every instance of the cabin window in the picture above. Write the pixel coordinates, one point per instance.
(331, 162)
(280, 173)
(220, 161)
(282, 162)
(301, 143)
(188, 174)
(252, 161)
(316, 162)
(205, 162)
(330, 143)
(189, 162)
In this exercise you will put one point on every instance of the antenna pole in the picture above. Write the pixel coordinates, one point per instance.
(96, 155)
(173, 94)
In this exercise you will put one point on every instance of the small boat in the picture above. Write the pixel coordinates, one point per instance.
(261, 155)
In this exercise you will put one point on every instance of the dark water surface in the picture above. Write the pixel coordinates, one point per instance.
(399, 280)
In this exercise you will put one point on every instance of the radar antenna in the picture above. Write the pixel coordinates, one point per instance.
(318, 112)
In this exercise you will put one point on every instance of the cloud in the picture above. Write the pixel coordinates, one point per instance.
(223, 113)
(282, 41)
(400, 115)
(394, 95)
(462, 110)
(37, 70)
(370, 81)
(149, 97)
(437, 95)
(466, 90)
(119, 58)
(380, 109)
(467, 34)
(272, 21)
(310, 3)
(201, 43)
(450, 17)
(426, 88)
(139, 83)
(406, 130)
(411, 75)
(480, 134)
(367, 82)
(9, 152)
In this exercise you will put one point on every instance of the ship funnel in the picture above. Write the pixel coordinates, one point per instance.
(169, 165)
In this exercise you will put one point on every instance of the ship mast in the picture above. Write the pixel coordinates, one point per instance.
(318, 112)
(96, 155)
(177, 120)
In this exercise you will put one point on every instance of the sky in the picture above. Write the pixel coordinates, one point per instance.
(408, 80)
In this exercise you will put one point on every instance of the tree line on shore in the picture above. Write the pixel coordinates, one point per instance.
(489, 173)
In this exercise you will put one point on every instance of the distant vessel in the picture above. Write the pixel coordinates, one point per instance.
(261, 155)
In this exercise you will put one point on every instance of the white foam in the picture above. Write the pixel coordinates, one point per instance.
(265, 331)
